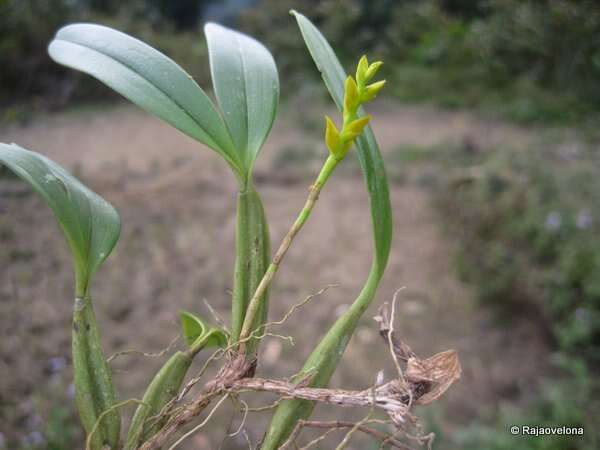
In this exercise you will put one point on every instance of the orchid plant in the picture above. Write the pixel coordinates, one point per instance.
(246, 88)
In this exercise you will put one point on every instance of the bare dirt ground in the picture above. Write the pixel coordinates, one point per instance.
(177, 202)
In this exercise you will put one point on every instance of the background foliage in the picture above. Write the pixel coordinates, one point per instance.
(530, 60)
(527, 226)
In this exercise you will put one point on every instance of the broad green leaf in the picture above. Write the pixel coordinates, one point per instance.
(149, 79)
(246, 85)
(90, 224)
(324, 359)
(197, 333)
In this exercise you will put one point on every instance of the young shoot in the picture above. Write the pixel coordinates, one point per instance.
(356, 93)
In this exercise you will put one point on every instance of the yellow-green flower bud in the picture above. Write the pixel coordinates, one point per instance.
(372, 90)
(332, 136)
(356, 92)
(354, 128)
(351, 98)
(361, 71)
(372, 70)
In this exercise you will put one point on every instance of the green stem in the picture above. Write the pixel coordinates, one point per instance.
(198, 345)
(324, 359)
(252, 258)
(164, 386)
(321, 364)
(92, 376)
(256, 302)
(252, 253)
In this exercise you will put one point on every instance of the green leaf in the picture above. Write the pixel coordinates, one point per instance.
(324, 359)
(192, 326)
(198, 334)
(246, 85)
(149, 79)
(215, 338)
(368, 150)
(90, 224)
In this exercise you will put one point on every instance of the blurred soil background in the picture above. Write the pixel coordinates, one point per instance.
(490, 134)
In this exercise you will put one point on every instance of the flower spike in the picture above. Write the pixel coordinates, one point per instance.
(356, 93)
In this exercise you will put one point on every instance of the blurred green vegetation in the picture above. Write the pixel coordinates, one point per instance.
(527, 222)
(530, 61)
(31, 82)
(564, 402)
(526, 60)
(561, 403)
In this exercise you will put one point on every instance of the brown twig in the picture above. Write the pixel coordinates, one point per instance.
(215, 315)
(235, 369)
(339, 424)
(315, 441)
(393, 397)
(388, 397)
(423, 381)
(167, 409)
(200, 425)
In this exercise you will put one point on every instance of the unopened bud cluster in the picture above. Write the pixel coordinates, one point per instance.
(356, 92)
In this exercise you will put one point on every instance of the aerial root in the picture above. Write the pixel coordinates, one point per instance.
(418, 382)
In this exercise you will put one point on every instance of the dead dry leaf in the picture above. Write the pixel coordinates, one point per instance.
(439, 371)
